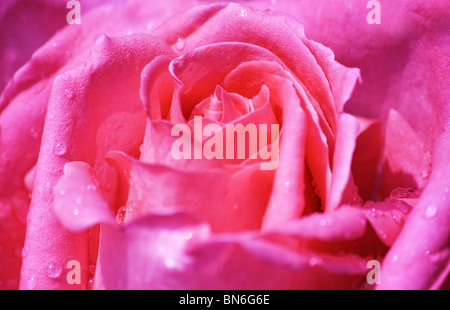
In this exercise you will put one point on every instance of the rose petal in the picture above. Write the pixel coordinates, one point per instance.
(66, 139)
(367, 156)
(286, 40)
(341, 181)
(228, 201)
(177, 252)
(78, 201)
(346, 223)
(406, 157)
(286, 201)
(423, 262)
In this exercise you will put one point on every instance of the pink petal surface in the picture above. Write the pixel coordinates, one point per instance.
(286, 201)
(402, 63)
(183, 255)
(27, 94)
(103, 94)
(403, 166)
(341, 180)
(425, 262)
(228, 201)
(237, 23)
(74, 195)
(367, 156)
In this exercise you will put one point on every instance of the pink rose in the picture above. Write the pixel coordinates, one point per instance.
(113, 206)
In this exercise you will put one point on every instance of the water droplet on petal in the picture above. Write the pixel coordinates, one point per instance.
(68, 93)
(60, 149)
(76, 212)
(396, 216)
(180, 44)
(121, 213)
(170, 263)
(401, 192)
(372, 212)
(323, 222)
(24, 251)
(34, 132)
(431, 211)
(243, 12)
(54, 270)
(90, 284)
(435, 258)
(188, 236)
(425, 174)
(314, 261)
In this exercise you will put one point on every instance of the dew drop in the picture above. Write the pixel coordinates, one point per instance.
(188, 236)
(34, 132)
(372, 212)
(76, 212)
(120, 217)
(323, 222)
(434, 258)
(91, 187)
(396, 216)
(54, 270)
(425, 174)
(90, 284)
(24, 251)
(60, 149)
(314, 261)
(430, 211)
(401, 192)
(68, 93)
(243, 12)
(170, 263)
(180, 44)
